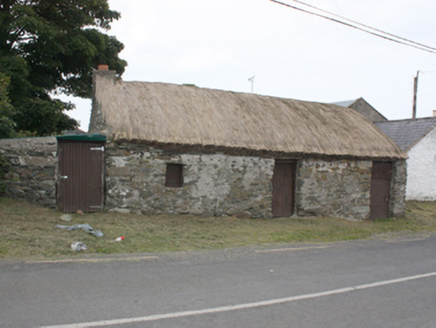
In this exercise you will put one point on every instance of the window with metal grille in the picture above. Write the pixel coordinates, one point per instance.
(174, 175)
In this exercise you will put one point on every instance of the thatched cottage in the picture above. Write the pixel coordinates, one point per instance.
(182, 149)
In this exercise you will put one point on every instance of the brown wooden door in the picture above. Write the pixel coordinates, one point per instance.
(283, 183)
(380, 190)
(80, 176)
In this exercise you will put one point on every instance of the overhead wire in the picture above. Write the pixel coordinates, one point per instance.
(367, 29)
(363, 25)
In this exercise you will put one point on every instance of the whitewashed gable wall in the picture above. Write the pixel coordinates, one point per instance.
(421, 179)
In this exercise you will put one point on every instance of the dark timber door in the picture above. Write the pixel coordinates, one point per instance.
(283, 183)
(380, 190)
(80, 176)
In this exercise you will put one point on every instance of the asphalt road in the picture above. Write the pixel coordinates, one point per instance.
(351, 284)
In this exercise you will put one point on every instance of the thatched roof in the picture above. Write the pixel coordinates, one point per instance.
(188, 115)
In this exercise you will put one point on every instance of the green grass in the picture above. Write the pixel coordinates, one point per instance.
(27, 231)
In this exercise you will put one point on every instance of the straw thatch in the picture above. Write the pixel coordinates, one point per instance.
(187, 115)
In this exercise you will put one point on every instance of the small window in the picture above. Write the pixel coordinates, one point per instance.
(174, 175)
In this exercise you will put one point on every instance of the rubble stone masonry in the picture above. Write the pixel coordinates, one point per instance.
(214, 184)
(32, 171)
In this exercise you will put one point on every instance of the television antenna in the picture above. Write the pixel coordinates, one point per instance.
(251, 79)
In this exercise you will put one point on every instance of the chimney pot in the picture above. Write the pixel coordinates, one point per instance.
(103, 67)
(434, 113)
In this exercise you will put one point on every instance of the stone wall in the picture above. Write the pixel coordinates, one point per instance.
(342, 189)
(397, 203)
(218, 184)
(214, 184)
(369, 112)
(33, 169)
(334, 188)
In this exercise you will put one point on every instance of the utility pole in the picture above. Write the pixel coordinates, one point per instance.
(415, 93)
(251, 79)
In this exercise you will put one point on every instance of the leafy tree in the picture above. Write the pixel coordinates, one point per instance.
(50, 47)
(7, 125)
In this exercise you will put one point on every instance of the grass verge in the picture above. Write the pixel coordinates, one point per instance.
(27, 231)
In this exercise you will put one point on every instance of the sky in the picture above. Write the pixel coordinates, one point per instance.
(291, 54)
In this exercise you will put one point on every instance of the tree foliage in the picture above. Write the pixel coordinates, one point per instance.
(7, 125)
(50, 47)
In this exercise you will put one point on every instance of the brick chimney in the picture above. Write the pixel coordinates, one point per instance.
(434, 113)
(103, 71)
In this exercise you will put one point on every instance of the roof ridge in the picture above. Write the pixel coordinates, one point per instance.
(429, 118)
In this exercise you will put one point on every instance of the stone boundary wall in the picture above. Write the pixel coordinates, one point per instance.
(32, 175)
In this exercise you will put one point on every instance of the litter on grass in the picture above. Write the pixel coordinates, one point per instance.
(66, 217)
(85, 227)
(78, 246)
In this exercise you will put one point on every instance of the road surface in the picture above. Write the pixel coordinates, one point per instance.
(375, 283)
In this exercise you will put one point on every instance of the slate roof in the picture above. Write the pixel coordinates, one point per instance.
(407, 133)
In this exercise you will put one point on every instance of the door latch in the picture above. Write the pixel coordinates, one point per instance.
(64, 177)
(98, 148)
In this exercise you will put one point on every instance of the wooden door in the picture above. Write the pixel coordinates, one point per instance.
(283, 183)
(80, 176)
(381, 177)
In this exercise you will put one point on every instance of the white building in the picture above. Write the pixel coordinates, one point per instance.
(417, 138)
